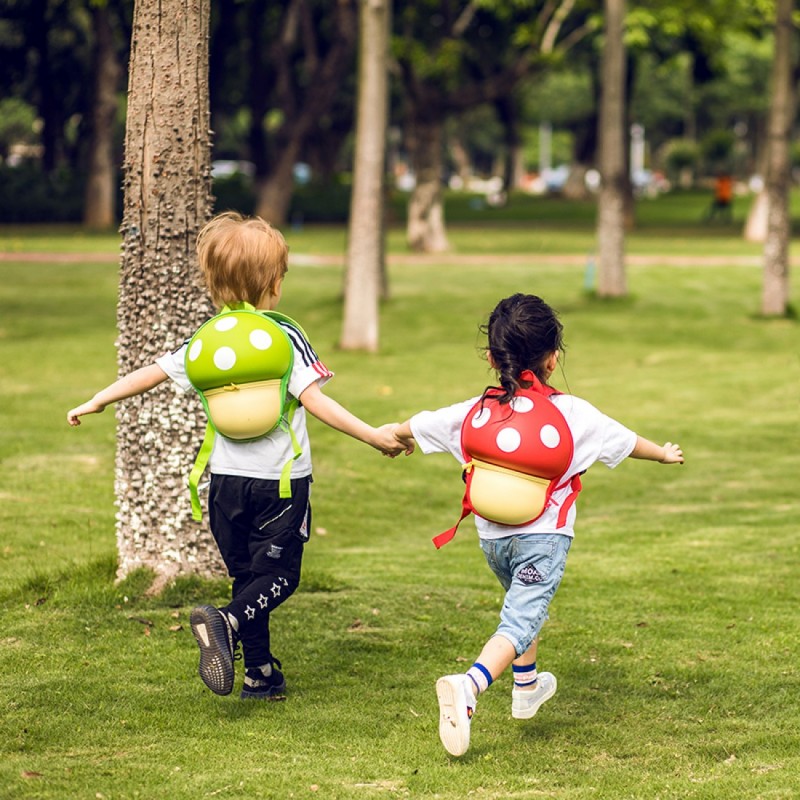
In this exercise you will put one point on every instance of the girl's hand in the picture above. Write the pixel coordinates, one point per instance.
(385, 441)
(92, 407)
(672, 454)
(407, 442)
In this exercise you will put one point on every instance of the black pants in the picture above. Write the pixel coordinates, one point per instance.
(260, 537)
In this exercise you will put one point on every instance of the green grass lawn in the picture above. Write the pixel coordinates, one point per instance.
(673, 635)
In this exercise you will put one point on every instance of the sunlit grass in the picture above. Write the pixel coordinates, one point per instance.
(673, 635)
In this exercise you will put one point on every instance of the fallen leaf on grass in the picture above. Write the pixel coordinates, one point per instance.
(28, 774)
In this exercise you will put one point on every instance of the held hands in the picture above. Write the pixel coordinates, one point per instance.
(389, 443)
(672, 454)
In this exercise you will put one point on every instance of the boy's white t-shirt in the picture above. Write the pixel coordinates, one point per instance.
(265, 457)
(596, 437)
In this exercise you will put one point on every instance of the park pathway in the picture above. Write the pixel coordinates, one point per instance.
(436, 259)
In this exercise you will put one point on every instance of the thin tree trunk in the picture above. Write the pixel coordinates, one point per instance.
(611, 279)
(775, 288)
(425, 231)
(274, 190)
(99, 208)
(366, 244)
(167, 199)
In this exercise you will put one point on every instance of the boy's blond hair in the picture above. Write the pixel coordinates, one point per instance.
(241, 258)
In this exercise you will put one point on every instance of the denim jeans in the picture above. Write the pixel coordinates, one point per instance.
(529, 567)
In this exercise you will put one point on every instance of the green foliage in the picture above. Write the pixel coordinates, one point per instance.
(716, 148)
(28, 194)
(681, 154)
(17, 119)
(672, 635)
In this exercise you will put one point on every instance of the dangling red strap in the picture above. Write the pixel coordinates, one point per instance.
(569, 500)
(443, 538)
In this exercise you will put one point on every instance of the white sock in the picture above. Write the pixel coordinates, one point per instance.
(481, 678)
(525, 677)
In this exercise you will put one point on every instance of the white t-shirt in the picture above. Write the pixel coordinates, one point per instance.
(596, 437)
(264, 457)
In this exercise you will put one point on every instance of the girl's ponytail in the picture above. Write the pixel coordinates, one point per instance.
(523, 331)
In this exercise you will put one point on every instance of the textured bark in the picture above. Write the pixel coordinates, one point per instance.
(366, 242)
(611, 279)
(775, 287)
(99, 208)
(167, 200)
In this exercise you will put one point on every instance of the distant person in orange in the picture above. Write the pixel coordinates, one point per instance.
(723, 198)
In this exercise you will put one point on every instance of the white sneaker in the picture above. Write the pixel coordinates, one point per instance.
(524, 704)
(456, 707)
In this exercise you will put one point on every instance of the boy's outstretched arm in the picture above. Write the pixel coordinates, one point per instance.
(668, 454)
(327, 410)
(137, 382)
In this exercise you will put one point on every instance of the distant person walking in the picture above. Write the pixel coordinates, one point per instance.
(722, 203)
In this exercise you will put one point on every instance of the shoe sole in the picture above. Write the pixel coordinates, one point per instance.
(527, 713)
(274, 694)
(268, 693)
(450, 718)
(216, 663)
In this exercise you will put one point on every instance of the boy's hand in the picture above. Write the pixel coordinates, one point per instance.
(388, 443)
(92, 407)
(672, 454)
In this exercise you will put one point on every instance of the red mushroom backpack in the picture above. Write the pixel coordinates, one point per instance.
(516, 455)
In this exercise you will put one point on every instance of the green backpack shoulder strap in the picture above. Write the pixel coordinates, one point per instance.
(285, 424)
(291, 407)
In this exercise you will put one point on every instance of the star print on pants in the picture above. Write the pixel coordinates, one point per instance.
(250, 612)
(276, 590)
(263, 602)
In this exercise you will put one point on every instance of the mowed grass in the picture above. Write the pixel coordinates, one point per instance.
(673, 635)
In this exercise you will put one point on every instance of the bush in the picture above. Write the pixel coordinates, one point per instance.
(28, 194)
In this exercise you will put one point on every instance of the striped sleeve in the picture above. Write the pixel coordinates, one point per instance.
(308, 367)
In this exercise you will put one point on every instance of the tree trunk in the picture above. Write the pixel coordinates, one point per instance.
(274, 190)
(366, 244)
(52, 133)
(775, 289)
(513, 165)
(426, 232)
(99, 208)
(611, 280)
(167, 199)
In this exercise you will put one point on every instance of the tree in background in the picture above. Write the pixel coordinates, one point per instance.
(775, 290)
(454, 56)
(298, 55)
(611, 280)
(99, 207)
(366, 243)
(167, 200)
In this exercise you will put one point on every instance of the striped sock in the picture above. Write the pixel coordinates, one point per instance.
(525, 677)
(480, 676)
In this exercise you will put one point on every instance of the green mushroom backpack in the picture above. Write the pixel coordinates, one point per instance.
(239, 362)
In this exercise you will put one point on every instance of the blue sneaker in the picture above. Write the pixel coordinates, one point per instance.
(217, 642)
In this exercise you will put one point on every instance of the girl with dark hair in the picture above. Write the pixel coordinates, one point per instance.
(524, 446)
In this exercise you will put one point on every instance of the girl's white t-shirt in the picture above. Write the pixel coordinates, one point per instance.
(265, 457)
(596, 437)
